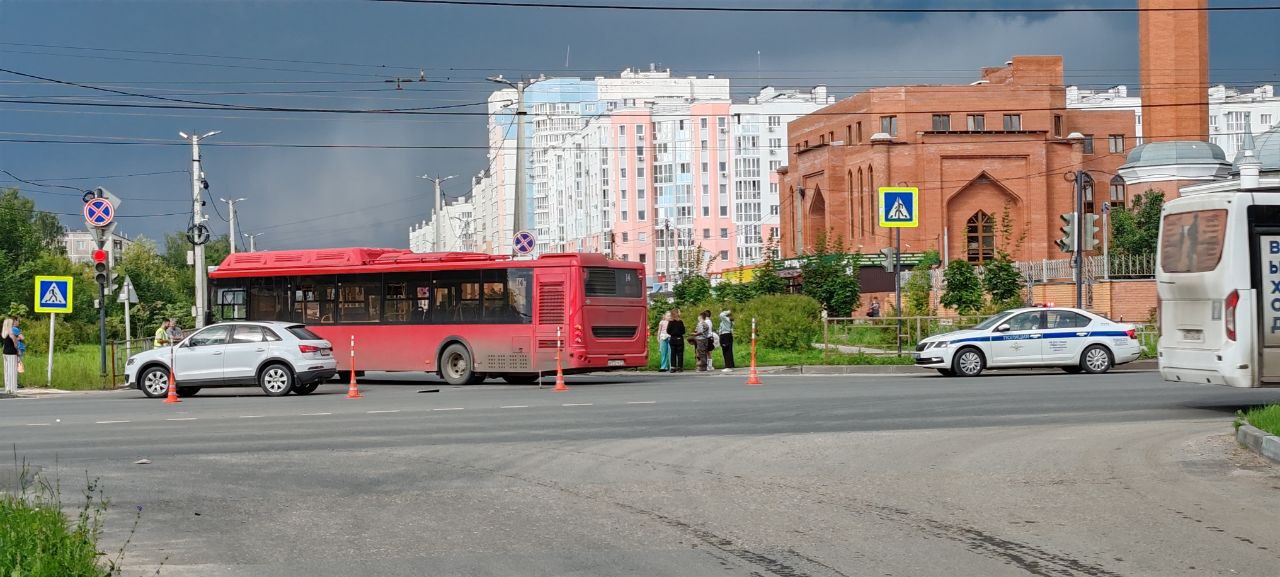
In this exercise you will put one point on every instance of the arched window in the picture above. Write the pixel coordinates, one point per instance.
(875, 198)
(862, 205)
(853, 225)
(980, 238)
(1086, 190)
(1117, 191)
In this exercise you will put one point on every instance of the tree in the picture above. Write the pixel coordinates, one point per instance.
(1003, 282)
(766, 280)
(919, 286)
(1134, 230)
(962, 289)
(734, 292)
(691, 290)
(29, 237)
(827, 277)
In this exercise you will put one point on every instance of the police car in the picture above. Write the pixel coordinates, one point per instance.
(1073, 339)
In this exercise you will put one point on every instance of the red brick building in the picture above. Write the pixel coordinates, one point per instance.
(977, 152)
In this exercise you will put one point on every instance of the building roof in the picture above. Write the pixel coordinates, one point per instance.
(1181, 152)
(1266, 148)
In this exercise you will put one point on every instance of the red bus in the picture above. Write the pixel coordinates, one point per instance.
(465, 316)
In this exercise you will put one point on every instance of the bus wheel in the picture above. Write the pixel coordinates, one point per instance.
(455, 365)
(521, 378)
(1096, 359)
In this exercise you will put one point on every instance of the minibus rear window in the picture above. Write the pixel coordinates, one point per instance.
(1192, 241)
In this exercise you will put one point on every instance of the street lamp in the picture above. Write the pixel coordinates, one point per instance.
(231, 204)
(435, 216)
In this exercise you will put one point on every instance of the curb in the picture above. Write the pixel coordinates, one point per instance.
(1259, 441)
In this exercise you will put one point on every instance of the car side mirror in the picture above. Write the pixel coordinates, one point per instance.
(1004, 328)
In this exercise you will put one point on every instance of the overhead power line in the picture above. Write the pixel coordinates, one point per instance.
(828, 10)
(200, 55)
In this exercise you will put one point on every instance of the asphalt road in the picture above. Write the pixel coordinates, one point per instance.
(690, 476)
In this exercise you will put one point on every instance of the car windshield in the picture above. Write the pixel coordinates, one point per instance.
(304, 333)
(991, 322)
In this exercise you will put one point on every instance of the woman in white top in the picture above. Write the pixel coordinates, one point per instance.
(9, 346)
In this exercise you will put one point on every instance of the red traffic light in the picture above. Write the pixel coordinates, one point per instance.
(99, 255)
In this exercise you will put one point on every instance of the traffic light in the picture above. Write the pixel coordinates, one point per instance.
(889, 253)
(101, 268)
(1068, 241)
(1089, 231)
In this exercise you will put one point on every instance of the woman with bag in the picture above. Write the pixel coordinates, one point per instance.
(702, 340)
(675, 339)
(9, 346)
(664, 343)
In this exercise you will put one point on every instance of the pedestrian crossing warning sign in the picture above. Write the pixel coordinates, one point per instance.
(53, 294)
(899, 207)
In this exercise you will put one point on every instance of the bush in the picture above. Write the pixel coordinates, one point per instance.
(962, 289)
(734, 292)
(790, 322)
(692, 290)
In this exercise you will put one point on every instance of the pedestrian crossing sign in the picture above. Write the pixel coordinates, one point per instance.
(53, 294)
(899, 207)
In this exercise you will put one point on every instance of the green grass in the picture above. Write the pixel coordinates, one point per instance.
(73, 370)
(1266, 418)
(38, 540)
(778, 358)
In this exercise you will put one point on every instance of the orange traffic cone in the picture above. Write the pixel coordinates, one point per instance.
(560, 386)
(173, 389)
(353, 391)
(752, 377)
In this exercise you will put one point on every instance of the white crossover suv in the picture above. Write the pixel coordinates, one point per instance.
(1073, 339)
(278, 356)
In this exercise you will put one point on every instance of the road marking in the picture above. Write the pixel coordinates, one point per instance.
(251, 416)
(390, 411)
(514, 407)
(181, 419)
(577, 404)
(37, 424)
(315, 414)
(641, 402)
(449, 409)
(111, 422)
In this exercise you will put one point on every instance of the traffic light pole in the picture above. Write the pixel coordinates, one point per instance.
(1078, 242)
(102, 328)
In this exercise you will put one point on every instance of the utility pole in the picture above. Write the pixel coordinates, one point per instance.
(518, 222)
(197, 223)
(251, 237)
(231, 205)
(439, 207)
(1078, 256)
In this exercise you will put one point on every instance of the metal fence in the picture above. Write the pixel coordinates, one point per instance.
(1096, 268)
(119, 351)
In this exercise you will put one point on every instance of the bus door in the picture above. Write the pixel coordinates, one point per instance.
(1264, 231)
(549, 315)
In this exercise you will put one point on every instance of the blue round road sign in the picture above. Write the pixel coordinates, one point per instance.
(524, 242)
(99, 212)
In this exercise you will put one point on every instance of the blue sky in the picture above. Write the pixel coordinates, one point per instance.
(309, 197)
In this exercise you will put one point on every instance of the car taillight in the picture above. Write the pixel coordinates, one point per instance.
(1133, 334)
(308, 349)
(1233, 299)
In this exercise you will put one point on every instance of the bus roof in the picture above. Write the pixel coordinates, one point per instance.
(365, 260)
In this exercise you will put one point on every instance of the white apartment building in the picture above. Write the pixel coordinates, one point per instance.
(1231, 111)
(80, 246)
(457, 219)
(647, 167)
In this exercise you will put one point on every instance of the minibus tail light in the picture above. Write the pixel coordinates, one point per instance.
(1233, 299)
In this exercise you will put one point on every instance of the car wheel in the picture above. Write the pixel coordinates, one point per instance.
(947, 372)
(305, 389)
(968, 362)
(1073, 369)
(154, 382)
(1096, 360)
(276, 380)
(455, 365)
(521, 378)
(188, 391)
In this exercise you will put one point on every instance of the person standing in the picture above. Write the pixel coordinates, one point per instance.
(702, 340)
(675, 339)
(175, 332)
(874, 311)
(726, 338)
(162, 335)
(664, 343)
(21, 342)
(9, 347)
